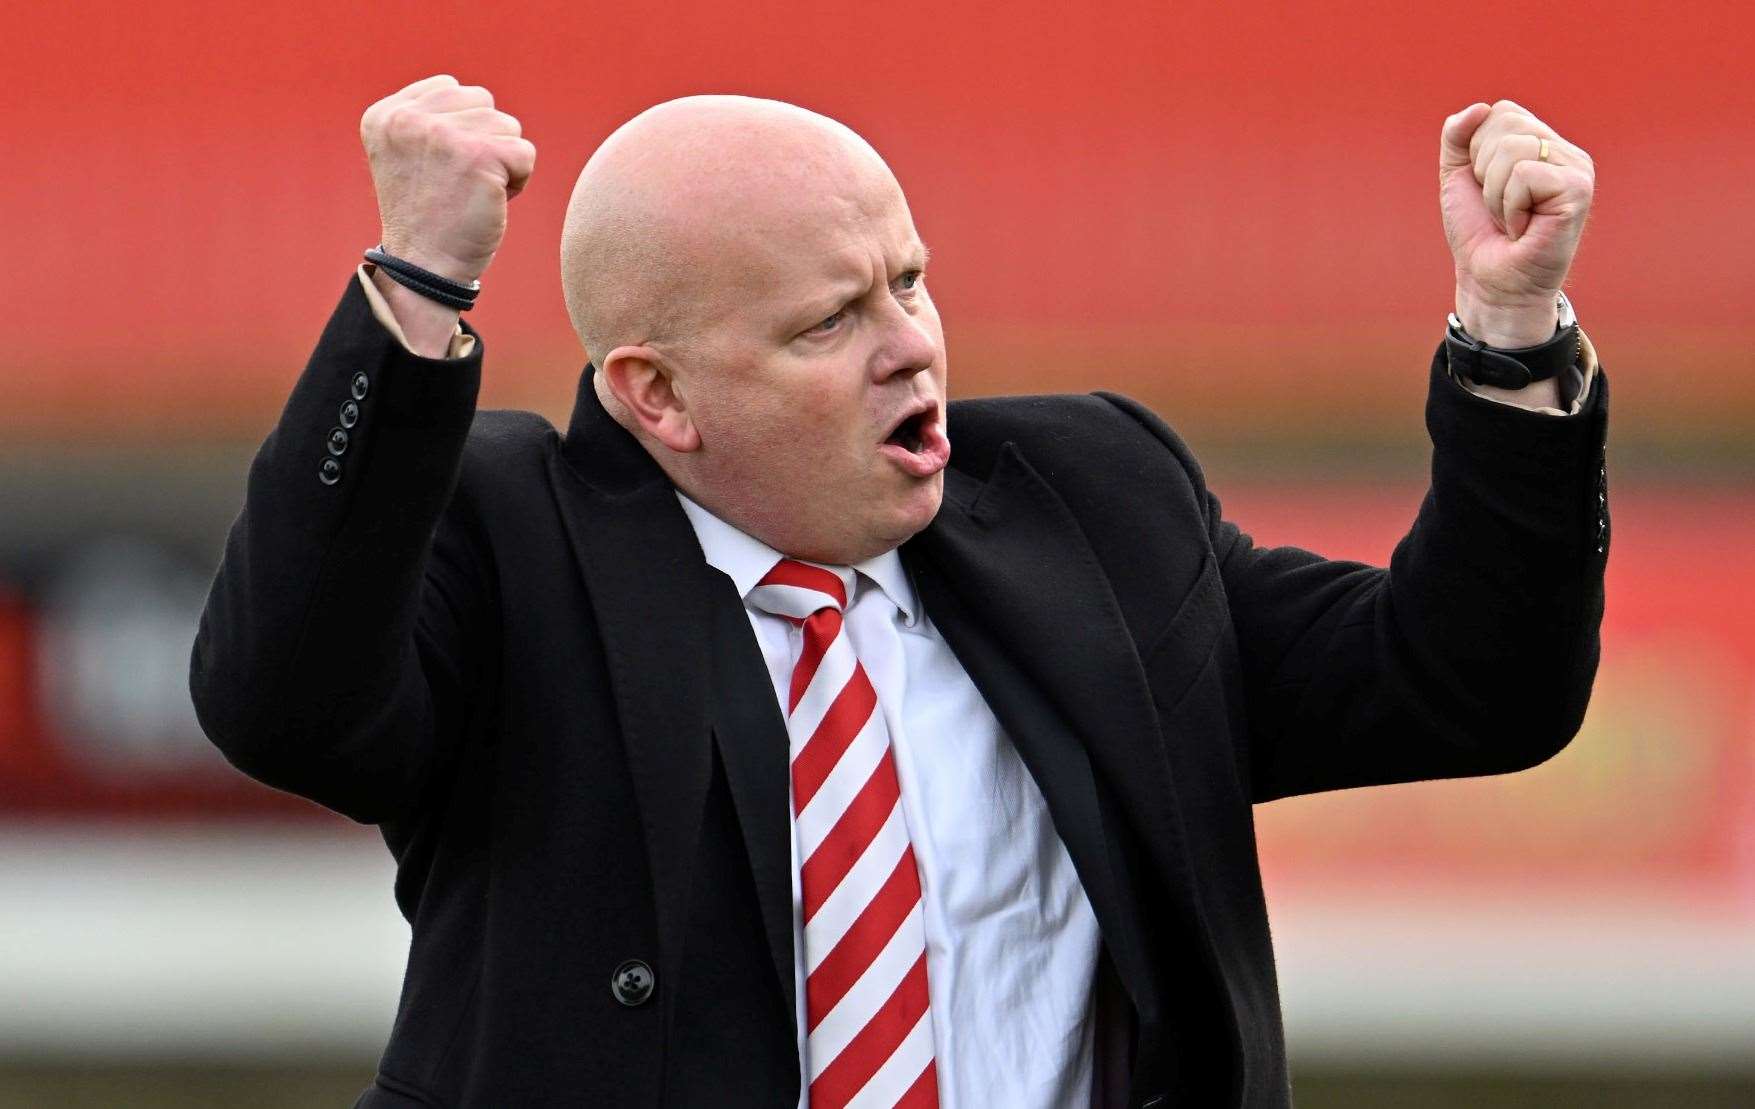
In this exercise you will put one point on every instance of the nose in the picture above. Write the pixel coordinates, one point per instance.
(909, 345)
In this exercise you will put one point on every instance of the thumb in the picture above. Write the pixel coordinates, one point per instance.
(1453, 140)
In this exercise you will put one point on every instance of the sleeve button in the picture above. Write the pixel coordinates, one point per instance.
(330, 472)
(350, 414)
(337, 441)
(360, 384)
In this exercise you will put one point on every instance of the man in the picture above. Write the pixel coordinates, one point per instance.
(745, 747)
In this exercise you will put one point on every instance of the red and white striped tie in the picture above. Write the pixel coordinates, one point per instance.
(869, 1034)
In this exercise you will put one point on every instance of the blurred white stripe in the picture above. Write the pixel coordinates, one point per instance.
(269, 943)
(1426, 974)
(153, 941)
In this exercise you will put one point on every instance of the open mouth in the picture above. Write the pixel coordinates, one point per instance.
(910, 433)
(918, 444)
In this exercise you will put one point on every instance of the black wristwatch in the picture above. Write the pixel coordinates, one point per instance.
(1514, 367)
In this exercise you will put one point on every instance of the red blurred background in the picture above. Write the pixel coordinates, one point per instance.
(1229, 204)
(1227, 210)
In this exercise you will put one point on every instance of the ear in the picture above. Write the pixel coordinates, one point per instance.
(646, 385)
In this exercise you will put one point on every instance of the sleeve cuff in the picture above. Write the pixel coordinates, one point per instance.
(1575, 384)
(461, 344)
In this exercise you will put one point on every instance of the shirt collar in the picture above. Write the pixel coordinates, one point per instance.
(746, 560)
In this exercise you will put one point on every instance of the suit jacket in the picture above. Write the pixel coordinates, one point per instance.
(503, 647)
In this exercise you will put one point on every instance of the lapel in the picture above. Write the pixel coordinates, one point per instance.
(754, 747)
(1009, 580)
(649, 589)
(1014, 587)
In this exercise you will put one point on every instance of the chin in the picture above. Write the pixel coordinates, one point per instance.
(915, 511)
(849, 541)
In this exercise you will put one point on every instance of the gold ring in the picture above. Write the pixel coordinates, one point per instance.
(1542, 154)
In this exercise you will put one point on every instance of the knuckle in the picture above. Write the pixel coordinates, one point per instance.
(376, 112)
(403, 120)
(486, 149)
(468, 150)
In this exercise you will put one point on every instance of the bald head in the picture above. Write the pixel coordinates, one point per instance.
(748, 281)
(682, 208)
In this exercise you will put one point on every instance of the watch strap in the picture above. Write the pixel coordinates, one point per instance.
(1513, 367)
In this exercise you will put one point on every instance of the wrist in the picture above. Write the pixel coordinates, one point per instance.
(443, 263)
(1508, 325)
(427, 325)
(1516, 367)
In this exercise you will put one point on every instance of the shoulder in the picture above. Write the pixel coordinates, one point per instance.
(503, 457)
(508, 430)
(501, 437)
(1068, 433)
(1125, 478)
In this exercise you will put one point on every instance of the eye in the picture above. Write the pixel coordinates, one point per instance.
(826, 324)
(913, 278)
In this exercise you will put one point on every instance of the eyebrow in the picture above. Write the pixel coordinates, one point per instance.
(842, 300)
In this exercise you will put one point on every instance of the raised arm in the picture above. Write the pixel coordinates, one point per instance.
(341, 639)
(1475, 650)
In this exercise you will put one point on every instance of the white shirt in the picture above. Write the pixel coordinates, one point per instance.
(1011, 942)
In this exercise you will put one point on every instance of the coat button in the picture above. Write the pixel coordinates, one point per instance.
(337, 441)
(350, 414)
(330, 472)
(632, 982)
(359, 385)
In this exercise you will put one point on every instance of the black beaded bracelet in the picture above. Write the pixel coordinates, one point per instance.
(433, 286)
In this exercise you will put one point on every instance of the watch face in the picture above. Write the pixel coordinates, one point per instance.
(1567, 316)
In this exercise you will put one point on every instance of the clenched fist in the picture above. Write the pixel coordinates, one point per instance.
(445, 163)
(1514, 196)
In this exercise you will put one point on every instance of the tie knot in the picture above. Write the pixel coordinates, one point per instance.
(795, 589)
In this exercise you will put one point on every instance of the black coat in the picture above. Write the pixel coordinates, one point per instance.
(505, 648)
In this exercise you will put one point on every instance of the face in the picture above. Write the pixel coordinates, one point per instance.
(816, 379)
